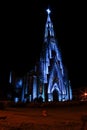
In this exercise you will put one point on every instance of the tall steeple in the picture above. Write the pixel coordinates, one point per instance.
(49, 82)
(52, 71)
(49, 31)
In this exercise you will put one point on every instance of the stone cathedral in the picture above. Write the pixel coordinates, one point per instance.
(48, 80)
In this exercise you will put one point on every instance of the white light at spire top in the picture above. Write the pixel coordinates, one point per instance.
(48, 11)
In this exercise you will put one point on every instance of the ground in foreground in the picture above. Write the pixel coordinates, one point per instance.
(44, 118)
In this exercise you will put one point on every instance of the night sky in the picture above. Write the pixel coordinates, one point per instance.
(22, 33)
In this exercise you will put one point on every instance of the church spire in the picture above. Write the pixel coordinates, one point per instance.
(49, 31)
(48, 11)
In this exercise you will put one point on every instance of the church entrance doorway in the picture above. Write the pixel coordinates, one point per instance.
(55, 95)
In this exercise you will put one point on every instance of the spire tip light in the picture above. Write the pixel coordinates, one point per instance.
(48, 11)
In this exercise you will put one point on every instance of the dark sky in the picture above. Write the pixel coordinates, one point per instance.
(22, 33)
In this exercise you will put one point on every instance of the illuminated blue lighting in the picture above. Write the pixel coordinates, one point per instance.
(30, 98)
(70, 90)
(34, 87)
(49, 26)
(10, 78)
(50, 97)
(52, 70)
(48, 77)
(16, 99)
(19, 84)
(55, 86)
(48, 11)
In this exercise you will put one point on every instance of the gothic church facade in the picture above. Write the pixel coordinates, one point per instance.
(48, 79)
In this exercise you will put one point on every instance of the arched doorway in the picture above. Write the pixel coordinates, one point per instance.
(55, 95)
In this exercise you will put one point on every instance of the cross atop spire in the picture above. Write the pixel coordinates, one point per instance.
(48, 11)
(49, 31)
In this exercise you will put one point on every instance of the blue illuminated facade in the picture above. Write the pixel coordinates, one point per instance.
(48, 80)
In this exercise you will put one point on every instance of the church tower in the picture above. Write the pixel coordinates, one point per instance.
(48, 81)
(54, 81)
